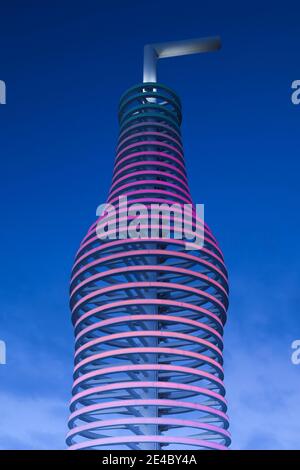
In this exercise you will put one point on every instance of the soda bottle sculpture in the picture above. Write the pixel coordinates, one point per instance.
(148, 314)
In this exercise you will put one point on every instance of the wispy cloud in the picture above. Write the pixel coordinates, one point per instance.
(32, 422)
(35, 389)
(263, 386)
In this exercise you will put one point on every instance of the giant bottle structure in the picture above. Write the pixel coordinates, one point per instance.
(148, 314)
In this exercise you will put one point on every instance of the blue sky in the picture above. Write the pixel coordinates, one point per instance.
(65, 65)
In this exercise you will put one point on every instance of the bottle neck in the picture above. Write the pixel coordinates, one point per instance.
(149, 165)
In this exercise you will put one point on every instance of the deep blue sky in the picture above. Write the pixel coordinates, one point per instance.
(65, 65)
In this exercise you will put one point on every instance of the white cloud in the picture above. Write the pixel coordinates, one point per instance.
(32, 423)
(262, 384)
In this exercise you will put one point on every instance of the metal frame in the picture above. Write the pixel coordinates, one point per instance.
(148, 315)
